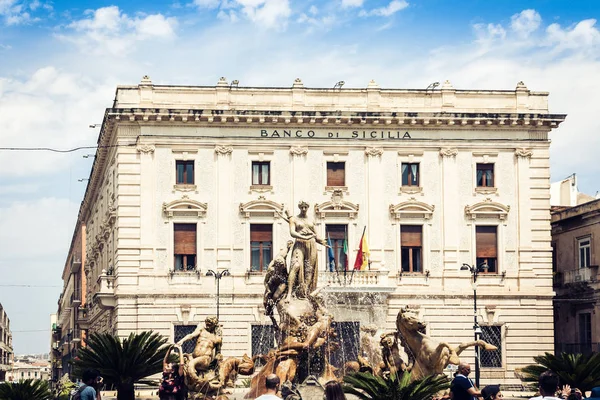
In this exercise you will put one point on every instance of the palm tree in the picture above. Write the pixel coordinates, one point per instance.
(578, 370)
(366, 386)
(122, 364)
(28, 389)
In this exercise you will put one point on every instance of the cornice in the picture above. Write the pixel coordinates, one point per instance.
(215, 117)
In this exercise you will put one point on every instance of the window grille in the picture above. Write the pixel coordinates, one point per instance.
(180, 332)
(493, 335)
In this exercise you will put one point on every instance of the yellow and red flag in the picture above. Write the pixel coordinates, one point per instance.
(362, 257)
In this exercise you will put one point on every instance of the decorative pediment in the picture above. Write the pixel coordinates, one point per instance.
(261, 208)
(185, 207)
(487, 209)
(412, 209)
(337, 207)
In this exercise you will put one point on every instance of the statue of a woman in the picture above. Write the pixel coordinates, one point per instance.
(303, 265)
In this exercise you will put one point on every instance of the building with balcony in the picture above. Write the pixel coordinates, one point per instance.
(576, 255)
(68, 331)
(29, 369)
(189, 179)
(6, 349)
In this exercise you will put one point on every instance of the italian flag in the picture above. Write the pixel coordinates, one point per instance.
(362, 257)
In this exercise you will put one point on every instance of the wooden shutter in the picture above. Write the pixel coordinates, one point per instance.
(336, 232)
(261, 232)
(486, 241)
(336, 174)
(185, 238)
(411, 235)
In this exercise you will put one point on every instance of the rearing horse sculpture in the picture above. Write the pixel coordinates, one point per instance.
(431, 356)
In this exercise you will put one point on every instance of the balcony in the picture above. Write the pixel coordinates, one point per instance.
(76, 298)
(353, 281)
(83, 319)
(106, 295)
(577, 275)
(75, 265)
(76, 335)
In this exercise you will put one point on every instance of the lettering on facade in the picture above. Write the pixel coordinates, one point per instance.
(311, 133)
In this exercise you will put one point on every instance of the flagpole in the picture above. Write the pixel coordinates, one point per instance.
(337, 272)
(361, 239)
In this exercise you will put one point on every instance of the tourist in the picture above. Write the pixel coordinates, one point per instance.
(548, 385)
(91, 380)
(272, 385)
(333, 391)
(462, 387)
(492, 392)
(172, 386)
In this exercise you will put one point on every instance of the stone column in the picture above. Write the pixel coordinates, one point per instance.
(451, 207)
(376, 214)
(300, 182)
(147, 204)
(224, 205)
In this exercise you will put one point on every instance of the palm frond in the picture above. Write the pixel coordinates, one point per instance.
(28, 389)
(578, 370)
(368, 387)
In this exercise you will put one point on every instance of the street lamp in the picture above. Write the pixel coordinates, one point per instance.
(476, 329)
(218, 275)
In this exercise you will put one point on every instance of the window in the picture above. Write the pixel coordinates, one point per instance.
(185, 172)
(485, 175)
(585, 254)
(493, 335)
(486, 247)
(263, 339)
(585, 328)
(261, 173)
(180, 332)
(185, 247)
(261, 245)
(411, 243)
(336, 174)
(337, 235)
(410, 174)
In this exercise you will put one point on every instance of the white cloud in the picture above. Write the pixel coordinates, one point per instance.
(14, 12)
(352, 3)
(525, 22)
(393, 7)
(108, 30)
(264, 13)
(486, 32)
(584, 35)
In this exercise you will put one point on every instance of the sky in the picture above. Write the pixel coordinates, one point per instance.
(60, 63)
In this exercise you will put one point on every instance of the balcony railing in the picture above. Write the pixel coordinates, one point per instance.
(106, 295)
(582, 348)
(356, 279)
(589, 274)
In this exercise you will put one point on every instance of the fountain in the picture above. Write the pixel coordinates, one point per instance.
(305, 334)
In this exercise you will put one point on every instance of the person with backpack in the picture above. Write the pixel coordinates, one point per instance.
(87, 391)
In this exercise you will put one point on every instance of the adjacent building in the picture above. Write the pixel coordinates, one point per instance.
(67, 331)
(189, 179)
(6, 349)
(576, 252)
(28, 368)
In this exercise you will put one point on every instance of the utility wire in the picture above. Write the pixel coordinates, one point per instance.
(34, 286)
(62, 150)
(32, 330)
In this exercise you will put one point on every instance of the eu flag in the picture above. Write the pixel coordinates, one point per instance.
(330, 255)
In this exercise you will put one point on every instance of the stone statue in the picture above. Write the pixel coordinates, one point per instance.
(431, 357)
(276, 279)
(206, 374)
(208, 345)
(370, 349)
(303, 266)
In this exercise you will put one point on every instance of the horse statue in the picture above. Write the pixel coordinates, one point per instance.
(431, 356)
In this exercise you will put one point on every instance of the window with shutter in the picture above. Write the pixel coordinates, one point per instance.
(261, 245)
(185, 247)
(336, 174)
(184, 172)
(486, 243)
(411, 248)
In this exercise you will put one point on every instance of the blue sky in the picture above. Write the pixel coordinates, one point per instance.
(61, 61)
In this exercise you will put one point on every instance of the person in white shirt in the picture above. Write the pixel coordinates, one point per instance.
(272, 385)
(548, 385)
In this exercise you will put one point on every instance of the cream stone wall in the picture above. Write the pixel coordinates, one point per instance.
(132, 192)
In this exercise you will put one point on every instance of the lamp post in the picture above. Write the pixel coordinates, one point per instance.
(476, 329)
(218, 275)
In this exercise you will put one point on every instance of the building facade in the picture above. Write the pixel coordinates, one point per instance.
(576, 248)
(29, 369)
(191, 179)
(67, 331)
(6, 349)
